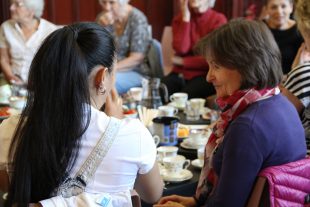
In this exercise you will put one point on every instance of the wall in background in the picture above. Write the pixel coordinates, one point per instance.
(158, 12)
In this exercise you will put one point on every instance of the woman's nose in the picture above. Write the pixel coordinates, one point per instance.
(210, 76)
(279, 10)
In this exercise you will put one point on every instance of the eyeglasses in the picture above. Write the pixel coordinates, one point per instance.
(18, 3)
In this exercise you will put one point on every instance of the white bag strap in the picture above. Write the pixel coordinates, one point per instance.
(93, 161)
(75, 186)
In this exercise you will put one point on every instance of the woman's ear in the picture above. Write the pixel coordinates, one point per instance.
(100, 76)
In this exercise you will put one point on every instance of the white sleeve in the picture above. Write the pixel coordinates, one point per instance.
(148, 152)
(7, 129)
(57, 201)
(3, 42)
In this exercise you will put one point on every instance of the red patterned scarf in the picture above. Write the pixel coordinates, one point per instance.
(230, 107)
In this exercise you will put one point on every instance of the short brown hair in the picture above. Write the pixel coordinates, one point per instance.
(249, 48)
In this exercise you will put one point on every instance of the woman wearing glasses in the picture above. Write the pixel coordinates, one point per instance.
(20, 38)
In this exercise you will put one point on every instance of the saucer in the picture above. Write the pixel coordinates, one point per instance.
(202, 141)
(185, 146)
(197, 163)
(183, 175)
(177, 106)
(188, 143)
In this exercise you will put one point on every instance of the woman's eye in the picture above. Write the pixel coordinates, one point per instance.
(216, 66)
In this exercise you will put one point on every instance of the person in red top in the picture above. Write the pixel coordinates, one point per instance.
(196, 20)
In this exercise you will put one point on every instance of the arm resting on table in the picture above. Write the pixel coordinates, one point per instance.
(150, 185)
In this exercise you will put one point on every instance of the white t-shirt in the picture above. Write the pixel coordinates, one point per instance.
(132, 152)
(20, 50)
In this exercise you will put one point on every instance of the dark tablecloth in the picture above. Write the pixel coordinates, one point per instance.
(186, 188)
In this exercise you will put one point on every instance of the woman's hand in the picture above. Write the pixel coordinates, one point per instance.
(176, 201)
(176, 60)
(113, 105)
(106, 19)
(13, 79)
(186, 15)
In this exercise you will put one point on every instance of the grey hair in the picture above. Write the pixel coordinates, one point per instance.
(36, 5)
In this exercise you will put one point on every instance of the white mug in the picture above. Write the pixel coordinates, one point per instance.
(179, 99)
(176, 164)
(167, 111)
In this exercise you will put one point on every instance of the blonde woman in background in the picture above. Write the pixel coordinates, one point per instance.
(131, 31)
(20, 38)
(297, 84)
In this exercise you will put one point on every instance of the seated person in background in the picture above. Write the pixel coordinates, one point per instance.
(130, 28)
(284, 30)
(257, 128)
(20, 38)
(71, 77)
(296, 88)
(195, 20)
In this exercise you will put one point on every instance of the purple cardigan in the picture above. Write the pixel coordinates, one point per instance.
(267, 133)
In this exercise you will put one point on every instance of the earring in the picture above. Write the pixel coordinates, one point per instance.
(101, 90)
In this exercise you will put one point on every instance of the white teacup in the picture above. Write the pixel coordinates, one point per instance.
(196, 137)
(179, 99)
(135, 93)
(197, 103)
(176, 164)
(166, 151)
(167, 111)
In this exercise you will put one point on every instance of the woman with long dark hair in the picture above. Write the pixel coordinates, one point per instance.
(70, 78)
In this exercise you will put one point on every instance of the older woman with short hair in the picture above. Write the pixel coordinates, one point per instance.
(131, 31)
(20, 38)
(257, 128)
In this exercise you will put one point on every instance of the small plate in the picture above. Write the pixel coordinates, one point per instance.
(185, 146)
(202, 142)
(197, 163)
(176, 178)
